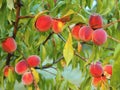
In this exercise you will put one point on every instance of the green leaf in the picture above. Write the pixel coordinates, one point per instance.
(0, 3)
(117, 52)
(68, 51)
(10, 4)
(72, 86)
(70, 12)
(116, 74)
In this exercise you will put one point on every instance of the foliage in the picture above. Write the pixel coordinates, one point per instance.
(75, 75)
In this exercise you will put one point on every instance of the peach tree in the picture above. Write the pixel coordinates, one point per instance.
(59, 44)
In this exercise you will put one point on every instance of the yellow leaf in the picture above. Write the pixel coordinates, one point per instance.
(68, 51)
(35, 74)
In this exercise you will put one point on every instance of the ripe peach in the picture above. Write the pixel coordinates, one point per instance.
(97, 81)
(57, 26)
(108, 71)
(75, 32)
(21, 67)
(96, 69)
(85, 33)
(6, 70)
(9, 45)
(99, 36)
(27, 78)
(95, 21)
(33, 60)
(43, 23)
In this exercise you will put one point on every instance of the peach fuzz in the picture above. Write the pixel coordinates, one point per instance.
(27, 78)
(9, 45)
(33, 60)
(85, 33)
(57, 26)
(96, 70)
(75, 32)
(98, 81)
(21, 67)
(99, 37)
(6, 70)
(95, 21)
(43, 23)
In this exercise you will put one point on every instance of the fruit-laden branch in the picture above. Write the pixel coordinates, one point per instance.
(111, 23)
(18, 6)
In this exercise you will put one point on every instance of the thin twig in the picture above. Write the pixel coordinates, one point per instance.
(50, 65)
(43, 43)
(111, 23)
(113, 38)
(24, 17)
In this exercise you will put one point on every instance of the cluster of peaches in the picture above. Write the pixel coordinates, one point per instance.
(23, 66)
(94, 31)
(100, 74)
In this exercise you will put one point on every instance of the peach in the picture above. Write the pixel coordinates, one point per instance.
(27, 78)
(85, 33)
(21, 67)
(108, 71)
(97, 81)
(6, 70)
(75, 32)
(33, 60)
(9, 45)
(57, 26)
(95, 21)
(96, 69)
(43, 23)
(99, 37)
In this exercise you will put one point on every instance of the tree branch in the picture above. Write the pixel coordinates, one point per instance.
(49, 36)
(18, 6)
(113, 38)
(50, 65)
(24, 17)
(111, 23)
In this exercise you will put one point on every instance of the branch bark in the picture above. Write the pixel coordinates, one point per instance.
(18, 6)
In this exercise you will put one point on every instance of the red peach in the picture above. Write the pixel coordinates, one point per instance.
(95, 21)
(27, 78)
(99, 36)
(33, 60)
(57, 26)
(96, 69)
(43, 23)
(6, 70)
(97, 81)
(85, 33)
(21, 67)
(9, 45)
(75, 32)
(108, 69)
